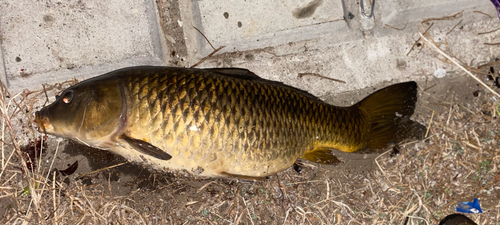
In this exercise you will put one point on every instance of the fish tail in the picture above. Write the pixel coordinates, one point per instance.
(389, 111)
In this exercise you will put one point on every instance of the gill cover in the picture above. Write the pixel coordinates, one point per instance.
(89, 111)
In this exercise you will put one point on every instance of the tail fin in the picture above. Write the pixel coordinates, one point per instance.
(389, 111)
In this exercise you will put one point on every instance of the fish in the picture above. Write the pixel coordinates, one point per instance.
(221, 122)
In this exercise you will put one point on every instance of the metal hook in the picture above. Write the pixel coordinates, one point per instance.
(363, 9)
(346, 14)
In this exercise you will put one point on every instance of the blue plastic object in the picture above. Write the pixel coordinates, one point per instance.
(469, 207)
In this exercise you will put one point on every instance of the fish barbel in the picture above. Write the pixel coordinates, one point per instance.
(221, 121)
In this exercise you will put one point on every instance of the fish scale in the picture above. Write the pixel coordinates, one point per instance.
(234, 99)
(220, 122)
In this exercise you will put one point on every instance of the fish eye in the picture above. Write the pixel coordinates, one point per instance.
(67, 97)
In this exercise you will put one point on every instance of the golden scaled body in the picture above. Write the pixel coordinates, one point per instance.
(217, 122)
(233, 125)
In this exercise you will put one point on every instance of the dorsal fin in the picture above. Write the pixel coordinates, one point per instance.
(245, 74)
(235, 72)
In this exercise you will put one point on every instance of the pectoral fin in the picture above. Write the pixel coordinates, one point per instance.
(146, 148)
(321, 155)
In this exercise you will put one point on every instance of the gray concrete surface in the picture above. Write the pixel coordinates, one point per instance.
(49, 41)
(46, 42)
(366, 54)
(265, 24)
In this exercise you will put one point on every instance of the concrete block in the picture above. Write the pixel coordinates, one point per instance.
(48, 41)
(256, 24)
(277, 46)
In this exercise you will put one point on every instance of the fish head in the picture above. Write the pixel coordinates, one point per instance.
(88, 112)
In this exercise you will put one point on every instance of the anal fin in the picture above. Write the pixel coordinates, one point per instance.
(321, 155)
(146, 148)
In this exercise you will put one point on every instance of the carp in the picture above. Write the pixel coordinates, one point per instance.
(221, 121)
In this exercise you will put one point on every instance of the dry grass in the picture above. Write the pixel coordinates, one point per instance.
(35, 196)
(457, 161)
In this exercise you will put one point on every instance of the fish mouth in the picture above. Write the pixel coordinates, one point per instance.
(43, 123)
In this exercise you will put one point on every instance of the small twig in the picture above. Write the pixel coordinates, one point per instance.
(494, 63)
(46, 96)
(282, 194)
(235, 203)
(204, 186)
(109, 184)
(239, 218)
(429, 126)
(425, 32)
(286, 216)
(7, 163)
(498, 43)
(383, 171)
(3, 143)
(206, 57)
(99, 170)
(54, 196)
(248, 211)
(40, 156)
(426, 89)
(327, 189)
(320, 76)
(445, 18)
(459, 22)
(476, 11)
(487, 32)
(395, 28)
(457, 64)
(191, 203)
(50, 168)
(204, 37)
(450, 111)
